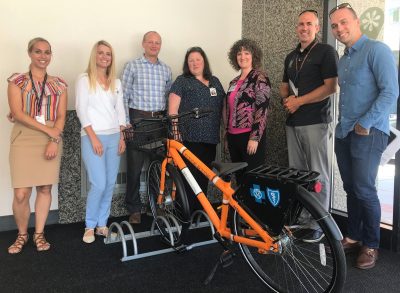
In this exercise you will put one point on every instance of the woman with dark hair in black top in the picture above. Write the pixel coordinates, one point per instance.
(198, 88)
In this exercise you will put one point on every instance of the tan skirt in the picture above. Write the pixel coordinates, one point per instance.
(28, 165)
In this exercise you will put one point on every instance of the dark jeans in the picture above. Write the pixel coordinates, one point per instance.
(206, 152)
(358, 158)
(135, 160)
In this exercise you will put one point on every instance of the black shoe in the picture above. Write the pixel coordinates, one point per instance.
(314, 237)
(135, 218)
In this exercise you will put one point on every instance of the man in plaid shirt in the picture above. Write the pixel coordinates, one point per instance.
(146, 81)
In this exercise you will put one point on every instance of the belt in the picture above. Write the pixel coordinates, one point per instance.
(148, 113)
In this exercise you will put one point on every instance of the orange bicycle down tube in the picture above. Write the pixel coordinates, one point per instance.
(173, 148)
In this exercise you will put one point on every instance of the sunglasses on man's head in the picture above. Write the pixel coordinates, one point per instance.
(309, 10)
(340, 6)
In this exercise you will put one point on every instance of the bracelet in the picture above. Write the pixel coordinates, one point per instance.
(55, 140)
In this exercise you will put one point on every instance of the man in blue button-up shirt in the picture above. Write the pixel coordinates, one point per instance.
(368, 89)
(146, 81)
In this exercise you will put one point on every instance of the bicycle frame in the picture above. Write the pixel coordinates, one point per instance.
(175, 151)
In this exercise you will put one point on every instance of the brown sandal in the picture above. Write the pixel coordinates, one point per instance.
(19, 243)
(40, 242)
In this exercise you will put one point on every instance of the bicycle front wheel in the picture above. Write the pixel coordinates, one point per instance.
(298, 266)
(173, 209)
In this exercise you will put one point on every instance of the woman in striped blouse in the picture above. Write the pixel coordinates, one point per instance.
(38, 105)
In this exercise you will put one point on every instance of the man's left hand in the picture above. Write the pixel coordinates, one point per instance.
(291, 104)
(358, 129)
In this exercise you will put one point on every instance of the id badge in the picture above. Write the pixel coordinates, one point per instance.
(40, 119)
(294, 89)
(213, 91)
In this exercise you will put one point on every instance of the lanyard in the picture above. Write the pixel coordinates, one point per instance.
(302, 62)
(39, 99)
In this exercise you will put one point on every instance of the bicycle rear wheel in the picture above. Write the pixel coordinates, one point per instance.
(298, 266)
(174, 204)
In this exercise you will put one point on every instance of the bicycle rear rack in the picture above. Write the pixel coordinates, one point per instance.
(305, 178)
(119, 236)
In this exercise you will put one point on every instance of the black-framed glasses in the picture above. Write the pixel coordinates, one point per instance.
(340, 6)
(309, 10)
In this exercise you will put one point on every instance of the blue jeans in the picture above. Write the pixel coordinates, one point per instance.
(102, 173)
(358, 158)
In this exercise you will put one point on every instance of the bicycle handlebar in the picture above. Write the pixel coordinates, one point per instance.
(195, 112)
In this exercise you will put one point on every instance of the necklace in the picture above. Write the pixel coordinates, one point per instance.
(39, 99)
(304, 59)
(302, 62)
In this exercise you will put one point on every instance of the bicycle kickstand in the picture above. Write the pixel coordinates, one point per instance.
(225, 259)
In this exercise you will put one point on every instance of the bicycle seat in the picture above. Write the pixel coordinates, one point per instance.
(228, 168)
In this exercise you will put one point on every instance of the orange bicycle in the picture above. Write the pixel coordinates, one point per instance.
(263, 212)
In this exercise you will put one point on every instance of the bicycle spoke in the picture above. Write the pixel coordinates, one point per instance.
(170, 207)
(298, 266)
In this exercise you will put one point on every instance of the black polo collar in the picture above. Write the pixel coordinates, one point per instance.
(306, 49)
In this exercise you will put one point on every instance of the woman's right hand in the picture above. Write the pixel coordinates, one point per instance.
(97, 146)
(51, 150)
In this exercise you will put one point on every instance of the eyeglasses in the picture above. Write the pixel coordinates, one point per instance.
(309, 10)
(340, 6)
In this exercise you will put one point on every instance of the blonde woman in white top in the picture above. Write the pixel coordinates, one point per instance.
(99, 105)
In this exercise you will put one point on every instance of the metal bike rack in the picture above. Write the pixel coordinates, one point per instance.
(116, 234)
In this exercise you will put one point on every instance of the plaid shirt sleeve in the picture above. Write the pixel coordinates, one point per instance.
(128, 75)
(168, 86)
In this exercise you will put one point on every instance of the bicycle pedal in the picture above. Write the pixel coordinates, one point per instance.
(226, 258)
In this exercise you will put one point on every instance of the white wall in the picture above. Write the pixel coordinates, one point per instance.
(73, 26)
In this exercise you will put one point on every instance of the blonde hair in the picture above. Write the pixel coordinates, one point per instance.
(36, 40)
(92, 68)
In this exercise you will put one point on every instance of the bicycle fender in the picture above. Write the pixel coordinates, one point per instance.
(308, 199)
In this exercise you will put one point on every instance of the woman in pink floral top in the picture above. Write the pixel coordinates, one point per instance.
(246, 105)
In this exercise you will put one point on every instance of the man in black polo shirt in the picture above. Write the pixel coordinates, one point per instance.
(309, 78)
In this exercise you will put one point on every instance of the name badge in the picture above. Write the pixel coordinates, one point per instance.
(294, 89)
(213, 91)
(40, 119)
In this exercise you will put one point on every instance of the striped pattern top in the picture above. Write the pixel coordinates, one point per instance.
(54, 87)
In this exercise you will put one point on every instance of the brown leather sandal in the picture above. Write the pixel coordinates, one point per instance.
(40, 242)
(19, 243)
